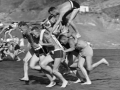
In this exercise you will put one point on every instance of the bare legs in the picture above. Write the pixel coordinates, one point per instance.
(44, 65)
(57, 73)
(73, 15)
(73, 63)
(26, 59)
(90, 66)
(33, 60)
(48, 69)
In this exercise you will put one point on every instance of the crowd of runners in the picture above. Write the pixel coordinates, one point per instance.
(10, 46)
(55, 43)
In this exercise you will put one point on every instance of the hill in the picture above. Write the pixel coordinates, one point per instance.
(101, 27)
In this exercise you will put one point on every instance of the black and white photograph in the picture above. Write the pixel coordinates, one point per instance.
(59, 44)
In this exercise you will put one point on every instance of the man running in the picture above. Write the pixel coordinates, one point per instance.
(85, 55)
(32, 55)
(57, 56)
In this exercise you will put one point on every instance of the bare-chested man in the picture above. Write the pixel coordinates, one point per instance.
(85, 55)
(32, 55)
(57, 56)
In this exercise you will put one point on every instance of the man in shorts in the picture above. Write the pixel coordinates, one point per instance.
(57, 56)
(85, 56)
(32, 55)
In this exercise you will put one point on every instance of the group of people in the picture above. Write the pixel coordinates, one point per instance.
(10, 46)
(57, 44)
(10, 50)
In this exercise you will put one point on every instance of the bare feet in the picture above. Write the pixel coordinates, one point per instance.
(54, 77)
(78, 81)
(19, 60)
(24, 79)
(1, 59)
(51, 84)
(87, 83)
(64, 84)
(105, 61)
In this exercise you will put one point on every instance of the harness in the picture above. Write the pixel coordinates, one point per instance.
(55, 39)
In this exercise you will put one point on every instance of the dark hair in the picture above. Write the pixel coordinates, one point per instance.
(51, 9)
(10, 27)
(61, 36)
(51, 16)
(22, 23)
(34, 28)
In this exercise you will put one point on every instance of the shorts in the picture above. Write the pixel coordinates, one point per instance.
(72, 56)
(57, 54)
(74, 4)
(42, 51)
(75, 53)
(49, 49)
(88, 51)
